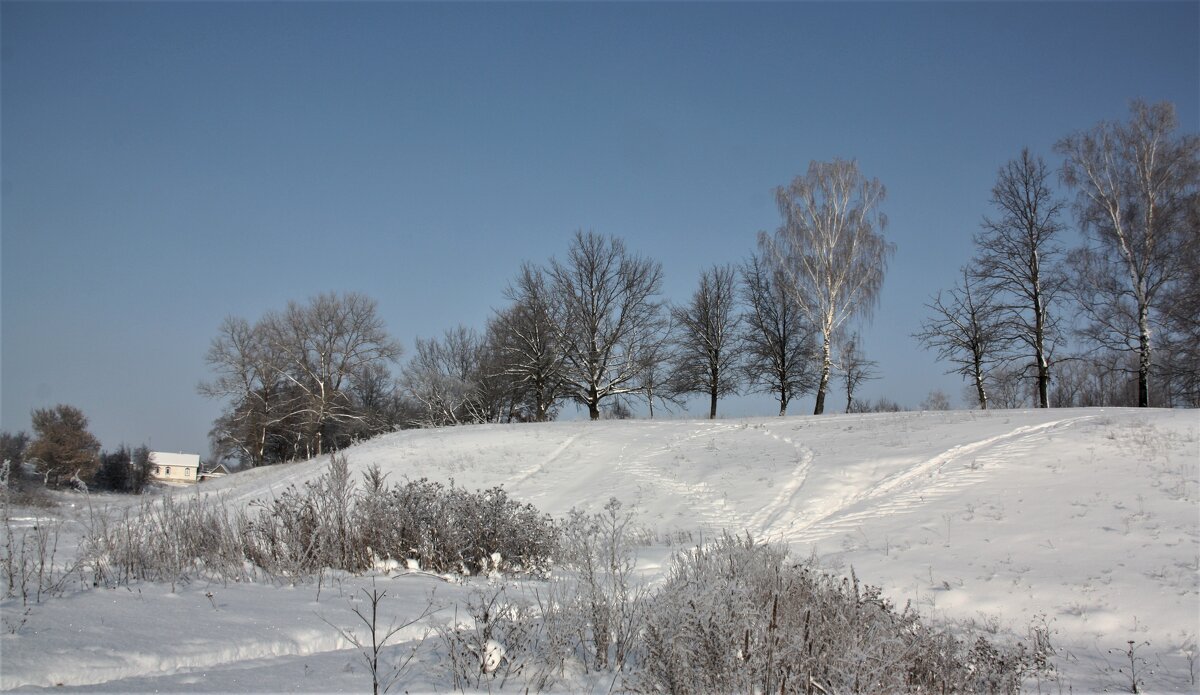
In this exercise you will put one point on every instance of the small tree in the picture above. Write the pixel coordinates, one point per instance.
(778, 343)
(12, 448)
(1020, 259)
(63, 448)
(444, 378)
(609, 321)
(705, 359)
(114, 471)
(856, 368)
(830, 251)
(965, 330)
(526, 339)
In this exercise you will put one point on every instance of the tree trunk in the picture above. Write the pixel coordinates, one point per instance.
(712, 406)
(1039, 348)
(593, 403)
(1144, 356)
(823, 384)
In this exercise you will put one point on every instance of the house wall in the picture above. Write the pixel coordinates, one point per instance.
(179, 468)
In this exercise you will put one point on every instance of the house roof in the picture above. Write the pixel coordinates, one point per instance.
(162, 458)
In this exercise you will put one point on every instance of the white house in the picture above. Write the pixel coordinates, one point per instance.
(174, 468)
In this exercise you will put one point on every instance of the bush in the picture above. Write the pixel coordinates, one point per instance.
(327, 523)
(739, 617)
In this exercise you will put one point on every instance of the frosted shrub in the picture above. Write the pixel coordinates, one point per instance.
(28, 567)
(738, 616)
(448, 529)
(305, 530)
(164, 541)
(325, 523)
(494, 641)
(602, 605)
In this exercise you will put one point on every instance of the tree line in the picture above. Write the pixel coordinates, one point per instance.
(63, 453)
(591, 327)
(1115, 321)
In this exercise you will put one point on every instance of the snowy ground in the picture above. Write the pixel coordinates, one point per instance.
(1086, 519)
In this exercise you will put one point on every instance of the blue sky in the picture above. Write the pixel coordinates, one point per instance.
(165, 165)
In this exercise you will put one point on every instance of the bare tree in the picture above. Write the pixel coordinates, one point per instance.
(777, 341)
(249, 372)
(609, 321)
(966, 331)
(704, 358)
(855, 368)
(1135, 183)
(443, 378)
(293, 377)
(1020, 259)
(324, 344)
(830, 251)
(526, 337)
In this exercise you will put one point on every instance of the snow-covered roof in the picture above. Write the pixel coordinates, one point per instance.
(162, 458)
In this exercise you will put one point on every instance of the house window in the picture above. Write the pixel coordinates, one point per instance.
(157, 470)
(168, 470)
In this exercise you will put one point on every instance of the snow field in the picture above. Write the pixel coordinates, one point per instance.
(1087, 520)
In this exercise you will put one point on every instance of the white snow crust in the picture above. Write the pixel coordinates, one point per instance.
(1088, 519)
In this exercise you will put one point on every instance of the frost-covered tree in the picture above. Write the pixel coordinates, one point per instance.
(62, 448)
(297, 382)
(609, 318)
(965, 329)
(1135, 183)
(249, 373)
(443, 378)
(526, 336)
(778, 343)
(323, 344)
(705, 357)
(1020, 260)
(830, 251)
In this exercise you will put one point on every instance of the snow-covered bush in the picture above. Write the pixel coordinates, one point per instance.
(449, 529)
(167, 540)
(326, 523)
(494, 641)
(601, 605)
(739, 616)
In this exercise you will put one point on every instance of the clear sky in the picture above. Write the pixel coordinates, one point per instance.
(165, 165)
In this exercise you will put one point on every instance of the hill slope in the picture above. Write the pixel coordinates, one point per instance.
(1087, 518)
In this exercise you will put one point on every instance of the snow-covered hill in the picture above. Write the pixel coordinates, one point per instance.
(1086, 519)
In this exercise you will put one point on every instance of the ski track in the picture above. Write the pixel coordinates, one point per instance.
(549, 459)
(767, 517)
(710, 508)
(835, 517)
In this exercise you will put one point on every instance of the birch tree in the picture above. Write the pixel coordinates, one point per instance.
(1135, 182)
(965, 329)
(778, 344)
(1020, 259)
(609, 319)
(830, 251)
(706, 329)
